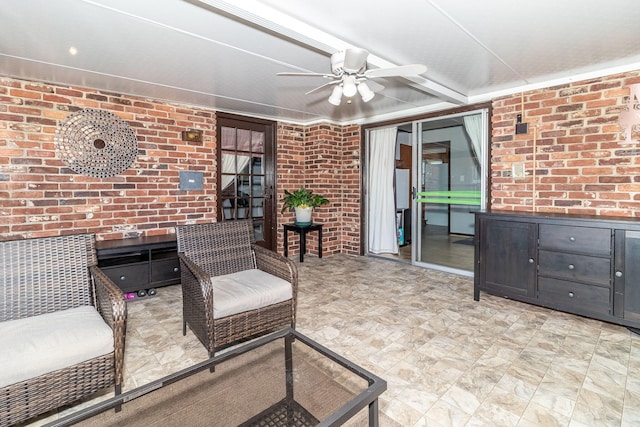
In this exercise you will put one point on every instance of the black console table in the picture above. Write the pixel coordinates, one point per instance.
(139, 266)
(581, 264)
(302, 231)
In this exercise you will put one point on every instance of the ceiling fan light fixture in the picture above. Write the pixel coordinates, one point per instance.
(349, 88)
(349, 75)
(336, 96)
(365, 92)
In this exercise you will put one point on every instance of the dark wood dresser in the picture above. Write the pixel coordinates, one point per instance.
(586, 265)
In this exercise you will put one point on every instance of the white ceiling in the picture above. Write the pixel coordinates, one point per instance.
(225, 55)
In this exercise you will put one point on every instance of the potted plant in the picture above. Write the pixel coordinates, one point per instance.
(302, 201)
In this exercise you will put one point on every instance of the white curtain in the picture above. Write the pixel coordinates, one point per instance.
(382, 203)
(229, 167)
(473, 126)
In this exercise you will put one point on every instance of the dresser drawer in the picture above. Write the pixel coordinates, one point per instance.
(130, 277)
(580, 298)
(586, 240)
(581, 268)
(166, 270)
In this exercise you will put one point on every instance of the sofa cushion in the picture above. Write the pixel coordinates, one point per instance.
(37, 345)
(247, 290)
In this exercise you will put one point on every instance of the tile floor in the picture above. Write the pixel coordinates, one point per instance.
(448, 360)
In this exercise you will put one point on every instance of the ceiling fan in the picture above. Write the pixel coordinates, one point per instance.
(350, 75)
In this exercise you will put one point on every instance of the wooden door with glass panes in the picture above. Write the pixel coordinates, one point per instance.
(246, 174)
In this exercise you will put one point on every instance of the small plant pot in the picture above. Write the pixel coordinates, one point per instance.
(303, 216)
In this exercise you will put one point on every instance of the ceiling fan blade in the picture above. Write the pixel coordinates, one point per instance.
(323, 86)
(354, 59)
(374, 86)
(329, 76)
(401, 71)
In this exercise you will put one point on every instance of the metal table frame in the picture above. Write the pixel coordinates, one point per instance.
(367, 398)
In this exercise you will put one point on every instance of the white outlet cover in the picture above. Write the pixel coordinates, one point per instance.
(517, 170)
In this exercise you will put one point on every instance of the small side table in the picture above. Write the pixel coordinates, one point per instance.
(302, 230)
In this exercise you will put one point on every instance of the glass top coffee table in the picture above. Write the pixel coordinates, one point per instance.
(281, 379)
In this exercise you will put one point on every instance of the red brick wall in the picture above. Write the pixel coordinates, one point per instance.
(582, 164)
(290, 174)
(40, 196)
(320, 158)
(351, 190)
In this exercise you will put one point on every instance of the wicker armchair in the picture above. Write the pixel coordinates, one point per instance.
(55, 278)
(211, 256)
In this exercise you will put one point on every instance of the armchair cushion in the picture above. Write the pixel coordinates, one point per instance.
(232, 289)
(33, 346)
(247, 290)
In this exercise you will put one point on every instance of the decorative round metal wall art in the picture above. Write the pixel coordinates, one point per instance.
(96, 143)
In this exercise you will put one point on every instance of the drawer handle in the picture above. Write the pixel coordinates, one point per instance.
(618, 273)
(531, 261)
(573, 239)
(175, 269)
(571, 266)
(571, 295)
(123, 277)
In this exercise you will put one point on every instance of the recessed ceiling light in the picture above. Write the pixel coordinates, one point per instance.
(73, 51)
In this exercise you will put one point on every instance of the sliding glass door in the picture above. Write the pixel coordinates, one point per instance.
(436, 179)
(450, 182)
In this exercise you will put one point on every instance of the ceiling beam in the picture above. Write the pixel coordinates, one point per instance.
(260, 15)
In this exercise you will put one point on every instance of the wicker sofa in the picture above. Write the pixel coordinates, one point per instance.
(232, 289)
(62, 325)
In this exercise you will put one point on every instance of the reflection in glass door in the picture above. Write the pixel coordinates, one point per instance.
(450, 179)
(246, 187)
(242, 174)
